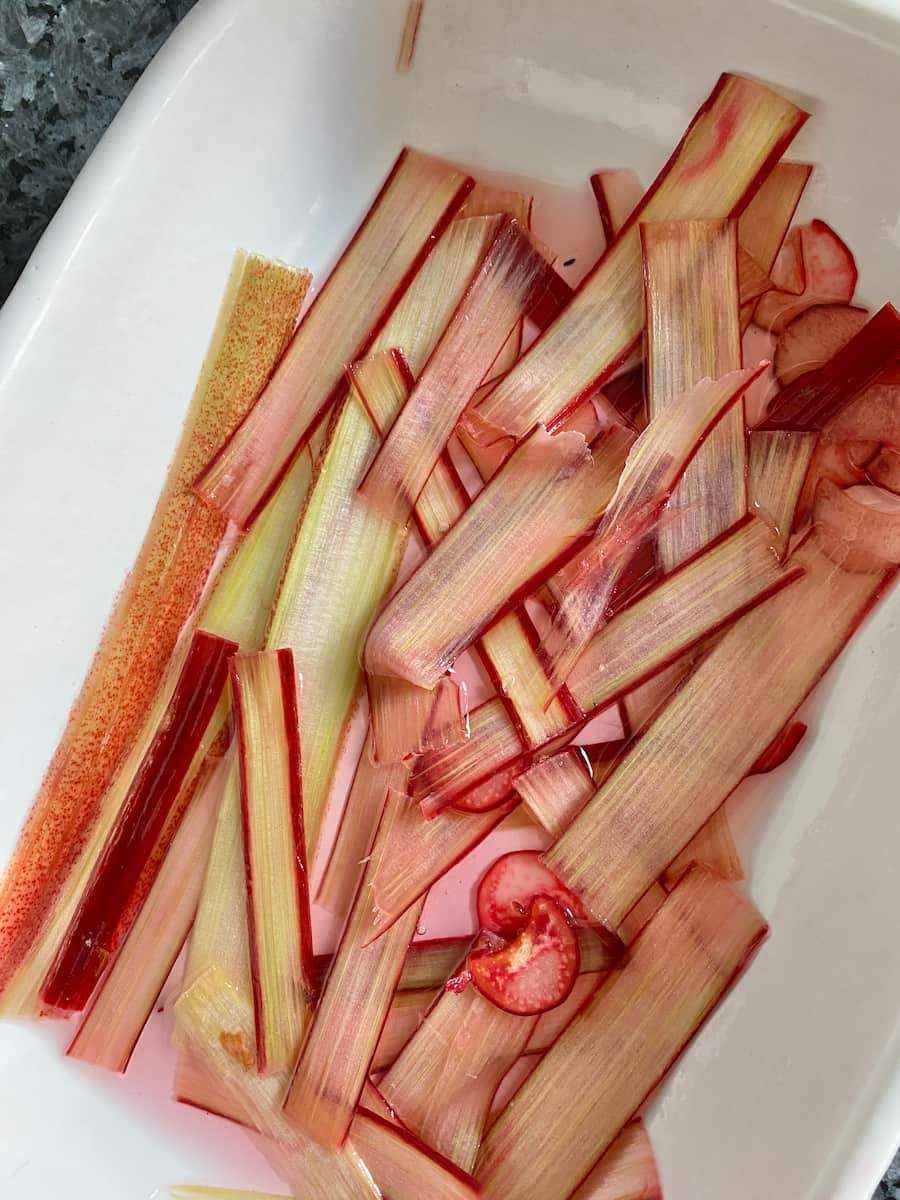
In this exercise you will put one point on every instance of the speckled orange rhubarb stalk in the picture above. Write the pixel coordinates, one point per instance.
(257, 316)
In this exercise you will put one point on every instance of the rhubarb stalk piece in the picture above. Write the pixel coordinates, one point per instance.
(778, 464)
(442, 1083)
(347, 1023)
(544, 497)
(591, 1081)
(694, 332)
(618, 193)
(413, 207)
(504, 288)
(734, 703)
(83, 954)
(124, 1001)
(712, 846)
(739, 133)
(555, 789)
(121, 695)
(627, 1171)
(764, 223)
(404, 1167)
(264, 693)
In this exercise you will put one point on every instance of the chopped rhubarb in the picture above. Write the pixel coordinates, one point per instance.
(555, 789)
(122, 1004)
(712, 846)
(413, 207)
(764, 223)
(813, 399)
(815, 336)
(779, 460)
(352, 1008)
(510, 884)
(408, 720)
(828, 276)
(856, 535)
(403, 1167)
(142, 822)
(594, 1077)
(440, 777)
(442, 1083)
(733, 704)
(627, 1171)
(618, 193)
(655, 464)
(405, 1016)
(532, 510)
(129, 682)
(264, 693)
(780, 749)
(537, 969)
(694, 332)
(641, 912)
(738, 134)
(359, 824)
(486, 200)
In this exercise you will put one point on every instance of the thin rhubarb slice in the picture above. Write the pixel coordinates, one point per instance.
(359, 824)
(352, 1008)
(404, 1167)
(618, 193)
(778, 464)
(441, 777)
(780, 748)
(408, 720)
(655, 464)
(537, 969)
(345, 557)
(829, 276)
(264, 693)
(856, 535)
(121, 694)
(487, 200)
(503, 288)
(442, 1083)
(419, 197)
(813, 399)
(405, 1016)
(104, 903)
(410, 33)
(124, 1001)
(627, 1171)
(530, 513)
(694, 332)
(712, 846)
(214, 1026)
(763, 225)
(555, 789)
(814, 337)
(591, 1081)
(641, 912)
(733, 704)
(738, 134)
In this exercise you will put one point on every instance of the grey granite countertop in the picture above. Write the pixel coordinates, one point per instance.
(65, 68)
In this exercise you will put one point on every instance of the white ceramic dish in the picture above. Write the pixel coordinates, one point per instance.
(268, 124)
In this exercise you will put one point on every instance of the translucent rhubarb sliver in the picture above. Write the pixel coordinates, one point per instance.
(780, 748)
(732, 144)
(418, 199)
(359, 824)
(214, 1026)
(502, 290)
(712, 846)
(532, 510)
(353, 1006)
(813, 399)
(407, 47)
(641, 912)
(406, 1014)
(778, 464)
(555, 789)
(142, 821)
(640, 705)
(764, 223)
(264, 694)
(122, 1004)
(627, 1171)
(733, 704)
(694, 333)
(418, 852)
(120, 695)
(733, 575)
(486, 200)
(618, 193)
(404, 1167)
(591, 1081)
(442, 1083)
(655, 464)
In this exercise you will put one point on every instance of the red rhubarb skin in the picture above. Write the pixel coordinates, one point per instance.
(144, 819)
(159, 596)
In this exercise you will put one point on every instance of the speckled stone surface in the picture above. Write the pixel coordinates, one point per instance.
(65, 69)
